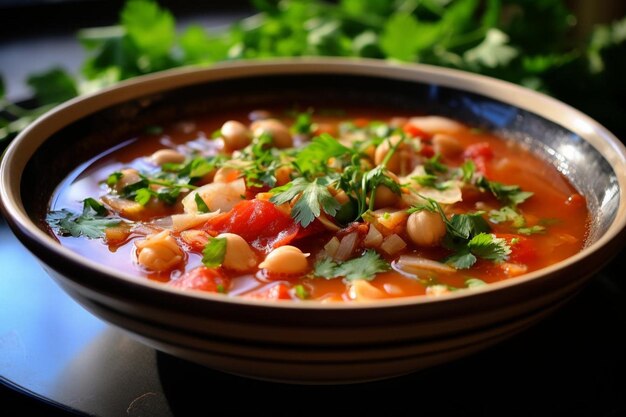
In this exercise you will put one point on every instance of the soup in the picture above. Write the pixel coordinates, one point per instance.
(326, 205)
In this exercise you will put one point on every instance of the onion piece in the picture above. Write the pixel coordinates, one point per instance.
(393, 244)
(182, 222)
(436, 124)
(413, 265)
(374, 238)
(217, 196)
(346, 247)
(328, 224)
(392, 219)
(331, 247)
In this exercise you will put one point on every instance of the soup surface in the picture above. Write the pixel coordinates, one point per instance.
(320, 205)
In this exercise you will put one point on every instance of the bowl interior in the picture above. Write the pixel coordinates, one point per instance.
(87, 137)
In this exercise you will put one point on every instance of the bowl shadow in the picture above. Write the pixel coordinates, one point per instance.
(572, 363)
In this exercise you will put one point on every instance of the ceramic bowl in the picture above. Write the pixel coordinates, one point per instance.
(310, 342)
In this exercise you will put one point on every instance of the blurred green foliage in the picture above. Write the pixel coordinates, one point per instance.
(523, 41)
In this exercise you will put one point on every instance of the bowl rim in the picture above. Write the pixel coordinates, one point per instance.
(21, 149)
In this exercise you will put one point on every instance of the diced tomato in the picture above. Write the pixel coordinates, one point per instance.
(196, 239)
(480, 153)
(414, 131)
(523, 250)
(251, 192)
(277, 291)
(361, 122)
(203, 279)
(325, 128)
(479, 150)
(427, 151)
(260, 223)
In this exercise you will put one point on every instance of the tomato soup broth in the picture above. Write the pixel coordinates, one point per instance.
(320, 205)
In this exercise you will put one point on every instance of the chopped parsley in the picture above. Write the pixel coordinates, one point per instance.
(313, 158)
(467, 235)
(313, 198)
(518, 221)
(214, 252)
(200, 204)
(483, 245)
(301, 292)
(91, 223)
(364, 267)
(510, 195)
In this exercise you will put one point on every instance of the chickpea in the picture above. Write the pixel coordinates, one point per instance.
(159, 252)
(129, 176)
(384, 197)
(401, 161)
(361, 290)
(447, 145)
(287, 260)
(166, 156)
(425, 228)
(239, 257)
(283, 175)
(281, 137)
(236, 135)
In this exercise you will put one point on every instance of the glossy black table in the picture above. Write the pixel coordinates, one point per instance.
(573, 363)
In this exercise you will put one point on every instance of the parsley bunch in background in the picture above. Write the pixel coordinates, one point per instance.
(523, 41)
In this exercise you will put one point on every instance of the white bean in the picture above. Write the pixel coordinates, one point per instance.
(129, 176)
(217, 196)
(159, 252)
(281, 137)
(287, 260)
(167, 156)
(239, 257)
(425, 228)
(447, 145)
(401, 161)
(236, 135)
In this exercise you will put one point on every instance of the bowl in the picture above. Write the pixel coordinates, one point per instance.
(311, 342)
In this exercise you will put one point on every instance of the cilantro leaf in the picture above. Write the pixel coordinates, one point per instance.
(467, 170)
(494, 51)
(214, 252)
(508, 194)
(53, 86)
(301, 292)
(149, 26)
(91, 223)
(532, 230)
(200, 204)
(114, 178)
(314, 156)
(92, 207)
(462, 259)
(314, 196)
(474, 283)
(303, 123)
(488, 246)
(483, 245)
(364, 267)
(325, 268)
(143, 195)
(465, 226)
(505, 214)
(434, 164)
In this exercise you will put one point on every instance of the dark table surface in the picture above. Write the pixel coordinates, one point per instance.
(56, 358)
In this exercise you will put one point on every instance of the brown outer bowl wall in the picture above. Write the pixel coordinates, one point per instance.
(402, 319)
